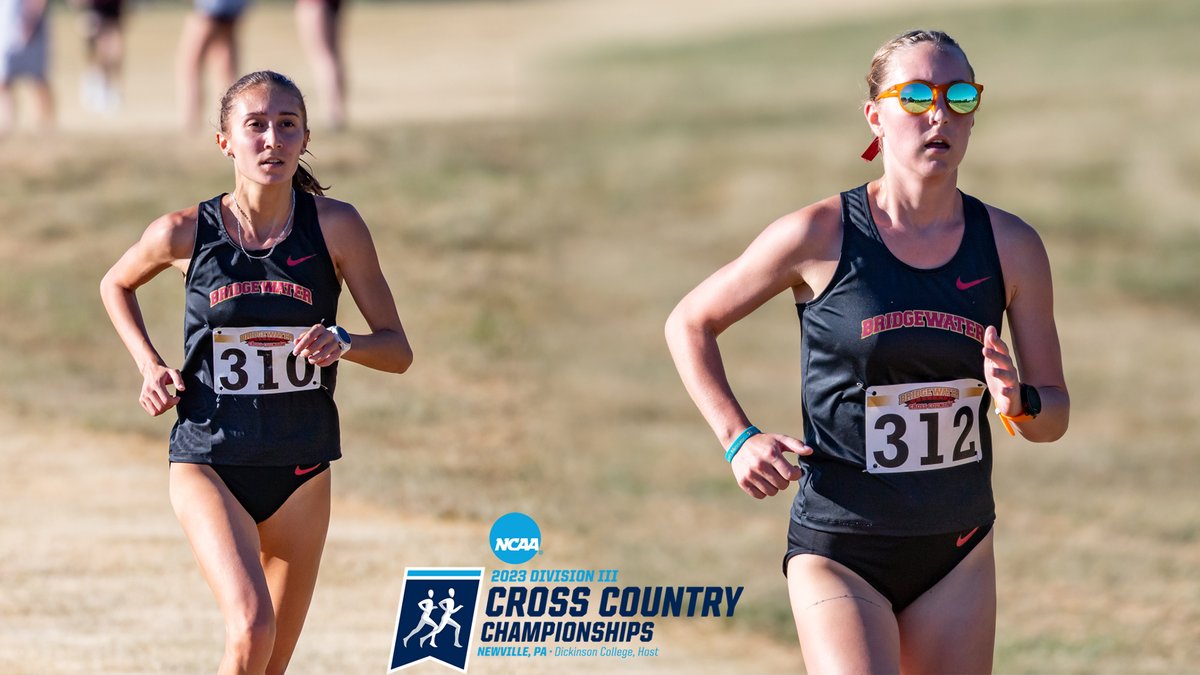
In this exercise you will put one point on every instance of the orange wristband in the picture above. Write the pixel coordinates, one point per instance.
(1009, 420)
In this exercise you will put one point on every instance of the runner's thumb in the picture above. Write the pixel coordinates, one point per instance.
(176, 379)
(990, 337)
(794, 445)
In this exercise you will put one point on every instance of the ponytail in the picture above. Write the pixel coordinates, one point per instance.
(304, 180)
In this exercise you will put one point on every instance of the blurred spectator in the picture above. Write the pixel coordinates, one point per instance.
(318, 23)
(23, 38)
(209, 34)
(100, 86)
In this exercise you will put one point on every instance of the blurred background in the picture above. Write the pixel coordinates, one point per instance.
(544, 181)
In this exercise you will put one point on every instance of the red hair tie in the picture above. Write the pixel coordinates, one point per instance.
(872, 149)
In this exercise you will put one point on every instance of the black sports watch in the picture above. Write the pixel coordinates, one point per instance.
(343, 340)
(1031, 400)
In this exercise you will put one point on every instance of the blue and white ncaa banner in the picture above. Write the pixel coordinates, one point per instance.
(436, 615)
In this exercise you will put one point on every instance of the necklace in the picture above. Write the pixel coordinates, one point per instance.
(241, 215)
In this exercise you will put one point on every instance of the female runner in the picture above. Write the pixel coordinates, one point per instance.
(257, 427)
(901, 286)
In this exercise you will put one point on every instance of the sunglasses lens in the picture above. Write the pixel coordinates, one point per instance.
(962, 98)
(916, 98)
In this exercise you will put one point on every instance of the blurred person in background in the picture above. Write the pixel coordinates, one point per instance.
(209, 36)
(257, 428)
(24, 38)
(318, 23)
(100, 84)
(901, 286)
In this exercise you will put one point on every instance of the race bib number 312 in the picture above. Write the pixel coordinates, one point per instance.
(259, 361)
(923, 426)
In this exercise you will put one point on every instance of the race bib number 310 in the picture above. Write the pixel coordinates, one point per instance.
(924, 426)
(259, 361)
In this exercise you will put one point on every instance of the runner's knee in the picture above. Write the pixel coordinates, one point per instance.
(251, 635)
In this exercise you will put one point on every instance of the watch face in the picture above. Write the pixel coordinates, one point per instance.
(342, 336)
(1031, 400)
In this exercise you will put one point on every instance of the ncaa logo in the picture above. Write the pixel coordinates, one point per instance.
(515, 538)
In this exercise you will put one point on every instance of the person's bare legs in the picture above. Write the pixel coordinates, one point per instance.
(109, 57)
(226, 544)
(317, 26)
(293, 539)
(189, 67)
(951, 628)
(203, 38)
(7, 110)
(223, 53)
(43, 97)
(844, 624)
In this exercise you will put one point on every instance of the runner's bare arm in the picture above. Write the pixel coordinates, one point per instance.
(349, 241)
(778, 259)
(1036, 356)
(167, 242)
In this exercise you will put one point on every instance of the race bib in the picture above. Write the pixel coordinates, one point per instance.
(258, 361)
(923, 427)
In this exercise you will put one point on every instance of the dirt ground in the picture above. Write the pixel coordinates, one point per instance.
(98, 578)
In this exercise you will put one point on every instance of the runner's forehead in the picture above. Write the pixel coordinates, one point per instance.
(267, 100)
(926, 61)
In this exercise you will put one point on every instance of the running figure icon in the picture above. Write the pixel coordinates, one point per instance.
(448, 606)
(426, 606)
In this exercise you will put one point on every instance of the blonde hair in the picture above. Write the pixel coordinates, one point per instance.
(303, 179)
(883, 56)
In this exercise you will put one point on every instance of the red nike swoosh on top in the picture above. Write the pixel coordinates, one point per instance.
(292, 262)
(962, 285)
(314, 467)
(961, 540)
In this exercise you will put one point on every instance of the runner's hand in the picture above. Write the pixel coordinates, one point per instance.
(155, 398)
(1001, 374)
(318, 345)
(760, 467)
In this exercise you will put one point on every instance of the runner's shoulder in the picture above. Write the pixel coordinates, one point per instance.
(1012, 230)
(172, 235)
(809, 232)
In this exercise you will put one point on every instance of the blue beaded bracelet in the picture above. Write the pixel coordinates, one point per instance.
(740, 441)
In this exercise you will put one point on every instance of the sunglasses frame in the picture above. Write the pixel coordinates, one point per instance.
(937, 89)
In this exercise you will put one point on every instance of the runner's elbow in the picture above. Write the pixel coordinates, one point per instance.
(679, 324)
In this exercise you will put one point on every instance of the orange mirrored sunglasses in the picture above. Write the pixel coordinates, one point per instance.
(918, 97)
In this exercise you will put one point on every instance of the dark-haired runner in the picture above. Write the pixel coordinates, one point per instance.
(263, 269)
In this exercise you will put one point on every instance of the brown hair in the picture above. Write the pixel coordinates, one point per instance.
(303, 179)
(883, 55)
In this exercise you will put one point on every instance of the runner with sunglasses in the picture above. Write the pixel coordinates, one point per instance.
(901, 286)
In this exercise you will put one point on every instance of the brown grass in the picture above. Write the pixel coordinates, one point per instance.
(535, 237)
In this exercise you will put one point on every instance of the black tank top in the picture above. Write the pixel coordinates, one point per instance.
(246, 400)
(895, 405)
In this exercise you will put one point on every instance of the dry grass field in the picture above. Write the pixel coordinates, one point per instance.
(544, 180)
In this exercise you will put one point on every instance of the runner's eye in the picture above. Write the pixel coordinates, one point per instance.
(916, 98)
(962, 97)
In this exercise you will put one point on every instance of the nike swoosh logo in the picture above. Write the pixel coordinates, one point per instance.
(961, 540)
(292, 262)
(962, 285)
(314, 467)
